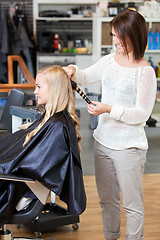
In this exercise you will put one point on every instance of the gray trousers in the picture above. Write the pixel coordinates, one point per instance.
(120, 170)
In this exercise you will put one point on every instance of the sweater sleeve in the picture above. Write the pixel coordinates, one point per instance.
(145, 99)
(93, 73)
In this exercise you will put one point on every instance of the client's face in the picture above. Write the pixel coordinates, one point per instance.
(41, 90)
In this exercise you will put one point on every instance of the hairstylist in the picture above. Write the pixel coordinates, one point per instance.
(128, 96)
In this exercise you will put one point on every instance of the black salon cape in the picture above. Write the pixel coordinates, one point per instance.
(51, 157)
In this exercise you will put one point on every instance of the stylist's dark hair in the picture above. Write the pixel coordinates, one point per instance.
(132, 25)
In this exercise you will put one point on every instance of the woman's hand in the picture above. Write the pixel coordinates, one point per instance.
(71, 70)
(97, 108)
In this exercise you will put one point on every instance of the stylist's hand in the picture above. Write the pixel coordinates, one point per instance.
(97, 108)
(71, 70)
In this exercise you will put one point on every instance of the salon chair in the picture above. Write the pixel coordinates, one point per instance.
(40, 216)
(15, 98)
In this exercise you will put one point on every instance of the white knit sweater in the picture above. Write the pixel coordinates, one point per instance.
(131, 93)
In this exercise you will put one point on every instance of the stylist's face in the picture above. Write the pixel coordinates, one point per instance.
(41, 90)
(119, 44)
(117, 41)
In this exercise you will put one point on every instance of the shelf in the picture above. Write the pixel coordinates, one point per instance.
(135, 1)
(104, 19)
(153, 51)
(108, 19)
(61, 6)
(152, 19)
(57, 19)
(106, 46)
(66, 1)
(94, 26)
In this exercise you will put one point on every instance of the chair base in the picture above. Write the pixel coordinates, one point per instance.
(6, 235)
(52, 216)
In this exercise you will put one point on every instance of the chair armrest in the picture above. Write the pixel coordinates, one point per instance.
(36, 187)
(15, 178)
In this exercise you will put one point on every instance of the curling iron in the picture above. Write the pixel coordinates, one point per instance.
(79, 91)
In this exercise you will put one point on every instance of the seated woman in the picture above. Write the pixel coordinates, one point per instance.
(47, 150)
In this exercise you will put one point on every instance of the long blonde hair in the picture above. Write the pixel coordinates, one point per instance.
(60, 97)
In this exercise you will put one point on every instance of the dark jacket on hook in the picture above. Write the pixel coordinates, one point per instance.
(20, 43)
(14, 40)
(51, 157)
(4, 48)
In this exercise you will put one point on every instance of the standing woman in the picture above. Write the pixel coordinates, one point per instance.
(128, 96)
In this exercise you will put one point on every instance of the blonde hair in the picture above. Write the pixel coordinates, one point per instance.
(60, 97)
